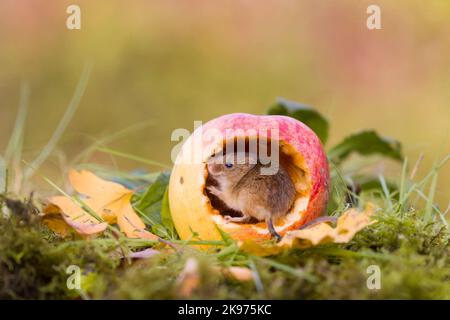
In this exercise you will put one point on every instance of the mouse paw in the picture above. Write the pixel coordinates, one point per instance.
(214, 190)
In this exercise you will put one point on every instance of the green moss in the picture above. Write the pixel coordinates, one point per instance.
(413, 257)
(414, 260)
(33, 265)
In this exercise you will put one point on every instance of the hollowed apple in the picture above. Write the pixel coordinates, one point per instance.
(196, 211)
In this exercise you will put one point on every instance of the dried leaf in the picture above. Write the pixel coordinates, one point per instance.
(348, 224)
(54, 221)
(109, 200)
(75, 216)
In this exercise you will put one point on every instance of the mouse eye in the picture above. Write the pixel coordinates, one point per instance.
(228, 165)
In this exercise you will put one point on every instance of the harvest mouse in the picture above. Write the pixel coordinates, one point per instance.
(242, 187)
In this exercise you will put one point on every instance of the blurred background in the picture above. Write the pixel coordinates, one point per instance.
(173, 62)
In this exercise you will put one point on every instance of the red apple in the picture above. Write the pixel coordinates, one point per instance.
(300, 151)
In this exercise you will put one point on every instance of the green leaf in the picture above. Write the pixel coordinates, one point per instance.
(154, 205)
(154, 193)
(309, 116)
(153, 212)
(166, 216)
(372, 183)
(366, 143)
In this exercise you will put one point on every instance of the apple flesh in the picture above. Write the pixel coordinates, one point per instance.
(300, 150)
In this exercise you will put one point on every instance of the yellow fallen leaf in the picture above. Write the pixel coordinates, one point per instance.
(76, 217)
(53, 219)
(351, 222)
(348, 224)
(317, 234)
(110, 201)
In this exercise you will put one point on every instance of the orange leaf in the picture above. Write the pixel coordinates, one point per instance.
(348, 224)
(55, 221)
(109, 200)
(76, 217)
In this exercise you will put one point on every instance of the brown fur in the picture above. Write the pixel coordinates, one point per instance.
(243, 188)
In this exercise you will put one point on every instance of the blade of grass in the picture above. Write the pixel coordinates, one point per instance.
(339, 187)
(403, 178)
(403, 182)
(418, 185)
(84, 155)
(132, 157)
(67, 117)
(256, 278)
(15, 144)
(429, 204)
(436, 167)
(132, 242)
(110, 173)
(385, 191)
(446, 210)
(416, 166)
(3, 176)
(286, 268)
(435, 208)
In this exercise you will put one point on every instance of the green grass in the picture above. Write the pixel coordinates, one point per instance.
(409, 243)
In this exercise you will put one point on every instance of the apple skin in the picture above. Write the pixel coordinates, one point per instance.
(190, 206)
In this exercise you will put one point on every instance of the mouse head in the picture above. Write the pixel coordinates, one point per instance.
(230, 166)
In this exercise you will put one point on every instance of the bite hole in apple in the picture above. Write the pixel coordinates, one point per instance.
(290, 159)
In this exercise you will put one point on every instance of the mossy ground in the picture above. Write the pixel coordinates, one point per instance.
(409, 243)
(413, 257)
